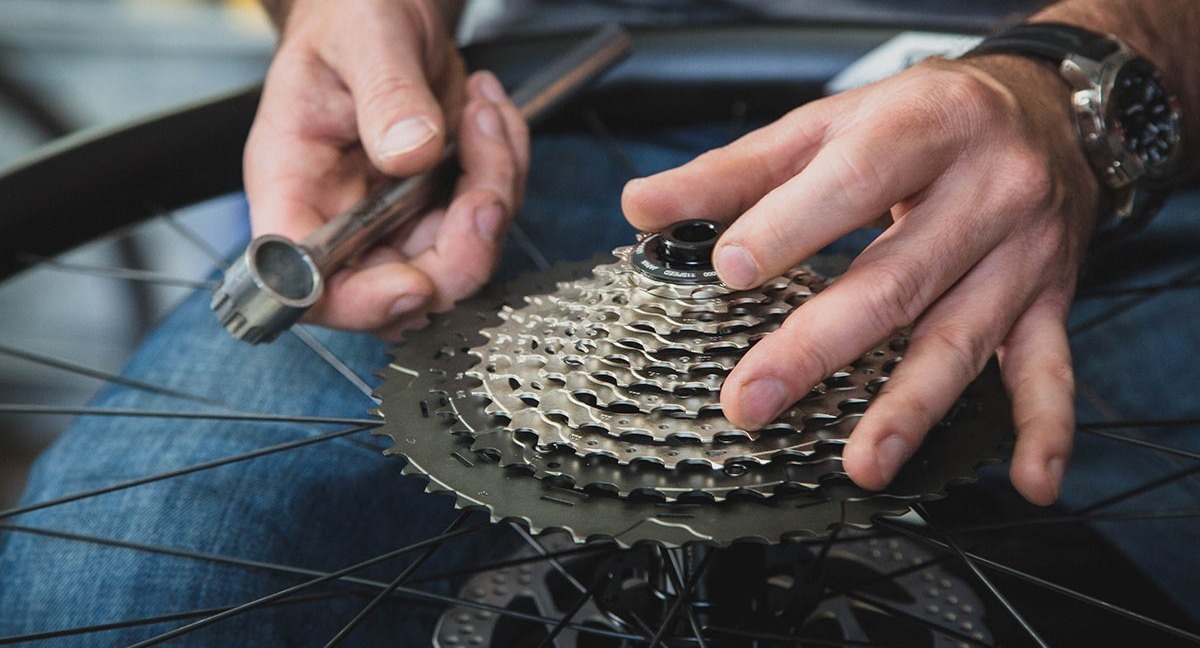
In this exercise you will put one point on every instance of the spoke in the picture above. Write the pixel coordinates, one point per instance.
(982, 578)
(680, 599)
(611, 144)
(249, 417)
(1047, 585)
(554, 562)
(404, 592)
(387, 591)
(677, 583)
(516, 562)
(124, 274)
(522, 616)
(183, 553)
(285, 593)
(91, 372)
(208, 465)
(192, 237)
(1079, 518)
(528, 246)
(167, 618)
(642, 625)
(1140, 490)
(793, 640)
(565, 621)
(882, 604)
(1130, 304)
(830, 594)
(694, 624)
(854, 591)
(816, 570)
(1140, 443)
(332, 360)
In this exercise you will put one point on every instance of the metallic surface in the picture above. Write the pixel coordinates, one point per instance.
(459, 432)
(775, 591)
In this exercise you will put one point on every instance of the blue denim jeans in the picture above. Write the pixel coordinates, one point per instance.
(335, 503)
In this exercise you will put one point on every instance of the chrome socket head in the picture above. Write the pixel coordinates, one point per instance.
(267, 290)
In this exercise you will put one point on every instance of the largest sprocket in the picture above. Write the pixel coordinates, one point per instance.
(586, 399)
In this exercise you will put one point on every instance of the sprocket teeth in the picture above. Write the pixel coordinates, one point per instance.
(527, 422)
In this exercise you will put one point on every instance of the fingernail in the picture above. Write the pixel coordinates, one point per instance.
(407, 135)
(491, 88)
(764, 399)
(735, 267)
(488, 120)
(890, 455)
(489, 220)
(406, 305)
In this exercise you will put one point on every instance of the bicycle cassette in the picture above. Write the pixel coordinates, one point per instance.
(586, 398)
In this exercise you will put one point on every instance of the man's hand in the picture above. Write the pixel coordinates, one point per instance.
(364, 89)
(993, 203)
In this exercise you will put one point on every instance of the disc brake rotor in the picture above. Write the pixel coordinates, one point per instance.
(780, 591)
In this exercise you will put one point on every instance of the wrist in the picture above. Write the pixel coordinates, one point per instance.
(1127, 122)
(1043, 100)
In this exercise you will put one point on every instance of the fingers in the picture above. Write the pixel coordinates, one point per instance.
(494, 158)
(886, 289)
(846, 187)
(517, 129)
(451, 252)
(361, 88)
(947, 350)
(1036, 365)
(380, 290)
(788, 198)
(296, 171)
(723, 183)
(824, 170)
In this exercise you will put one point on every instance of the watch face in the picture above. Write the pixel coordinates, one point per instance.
(1147, 116)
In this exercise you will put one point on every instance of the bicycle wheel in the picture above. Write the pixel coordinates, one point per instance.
(107, 516)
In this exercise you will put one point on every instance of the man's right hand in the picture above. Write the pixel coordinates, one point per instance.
(364, 89)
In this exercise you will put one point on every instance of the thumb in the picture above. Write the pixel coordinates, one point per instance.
(400, 121)
(401, 126)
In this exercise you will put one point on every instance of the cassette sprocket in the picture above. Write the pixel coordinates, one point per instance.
(523, 402)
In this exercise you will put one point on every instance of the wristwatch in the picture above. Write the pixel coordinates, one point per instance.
(1128, 121)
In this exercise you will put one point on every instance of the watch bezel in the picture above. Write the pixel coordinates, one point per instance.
(1094, 103)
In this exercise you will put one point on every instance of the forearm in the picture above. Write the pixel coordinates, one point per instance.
(1163, 31)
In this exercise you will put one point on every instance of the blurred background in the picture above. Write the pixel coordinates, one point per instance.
(72, 65)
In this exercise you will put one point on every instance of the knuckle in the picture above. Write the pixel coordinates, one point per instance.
(916, 408)
(894, 297)
(974, 102)
(1057, 369)
(773, 240)
(800, 360)
(964, 347)
(1029, 179)
(384, 94)
(858, 174)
